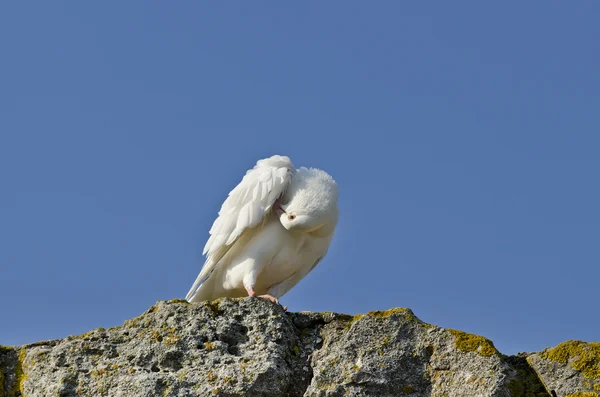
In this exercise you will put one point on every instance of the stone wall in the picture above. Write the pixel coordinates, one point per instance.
(251, 347)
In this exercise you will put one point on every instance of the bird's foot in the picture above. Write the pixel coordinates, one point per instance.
(252, 293)
(270, 297)
(274, 300)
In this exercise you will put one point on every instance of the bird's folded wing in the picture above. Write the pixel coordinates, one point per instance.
(245, 207)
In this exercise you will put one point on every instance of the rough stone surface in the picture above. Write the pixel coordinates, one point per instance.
(570, 369)
(251, 347)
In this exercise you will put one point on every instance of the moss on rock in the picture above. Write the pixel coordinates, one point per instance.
(583, 394)
(585, 356)
(181, 301)
(526, 383)
(407, 313)
(473, 343)
(20, 376)
(3, 349)
(387, 313)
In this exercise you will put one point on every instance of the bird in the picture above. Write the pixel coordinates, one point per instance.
(273, 229)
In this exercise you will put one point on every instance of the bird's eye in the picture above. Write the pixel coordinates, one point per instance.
(291, 217)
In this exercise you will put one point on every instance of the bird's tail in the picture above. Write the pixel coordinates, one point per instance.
(197, 284)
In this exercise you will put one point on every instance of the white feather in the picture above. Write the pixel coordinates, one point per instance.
(252, 245)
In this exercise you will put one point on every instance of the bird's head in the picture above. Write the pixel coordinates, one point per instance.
(310, 203)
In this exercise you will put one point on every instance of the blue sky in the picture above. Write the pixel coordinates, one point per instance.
(464, 138)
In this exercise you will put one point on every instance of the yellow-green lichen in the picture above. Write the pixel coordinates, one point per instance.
(597, 386)
(209, 346)
(88, 335)
(167, 387)
(348, 320)
(583, 394)
(171, 336)
(182, 301)
(156, 336)
(141, 321)
(387, 313)
(95, 373)
(1, 383)
(20, 376)
(473, 343)
(3, 349)
(516, 388)
(407, 389)
(214, 306)
(407, 313)
(211, 377)
(585, 356)
(526, 383)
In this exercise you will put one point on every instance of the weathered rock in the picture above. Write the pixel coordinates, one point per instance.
(229, 348)
(571, 369)
(251, 347)
(393, 353)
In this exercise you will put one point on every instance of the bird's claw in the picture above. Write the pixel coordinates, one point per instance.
(252, 294)
(270, 297)
(274, 300)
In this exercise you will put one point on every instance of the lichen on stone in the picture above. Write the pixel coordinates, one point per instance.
(583, 394)
(526, 382)
(1, 383)
(585, 356)
(88, 335)
(473, 343)
(407, 313)
(20, 376)
(382, 314)
(516, 388)
(209, 346)
(3, 349)
(387, 313)
(182, 301)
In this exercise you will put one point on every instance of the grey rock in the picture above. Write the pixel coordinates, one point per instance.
(393, 353)
(225, 348)
(570, 369)
(251, 347)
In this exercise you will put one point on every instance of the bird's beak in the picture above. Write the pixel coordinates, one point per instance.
(278, 209)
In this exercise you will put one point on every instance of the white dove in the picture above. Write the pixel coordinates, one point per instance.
(274, 227)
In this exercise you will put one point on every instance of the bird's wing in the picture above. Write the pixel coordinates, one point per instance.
(245, 207)
(281, 288)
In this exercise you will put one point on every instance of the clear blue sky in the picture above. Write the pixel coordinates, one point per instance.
(464, 137)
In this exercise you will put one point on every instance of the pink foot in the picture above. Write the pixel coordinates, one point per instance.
(250, 291)
(270, 297)
(252, 294)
